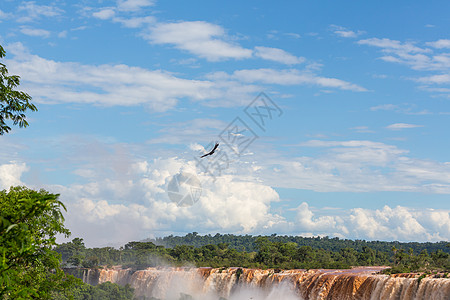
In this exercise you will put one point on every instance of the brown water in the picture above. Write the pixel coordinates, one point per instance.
(239, 284)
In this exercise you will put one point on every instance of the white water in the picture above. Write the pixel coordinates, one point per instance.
(211, 284)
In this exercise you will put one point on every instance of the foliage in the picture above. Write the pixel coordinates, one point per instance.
(13, 103)
(268, 254)
(104, 291)
(248, 242)
(29, 223)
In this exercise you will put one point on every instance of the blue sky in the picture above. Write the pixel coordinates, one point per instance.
(131, 93)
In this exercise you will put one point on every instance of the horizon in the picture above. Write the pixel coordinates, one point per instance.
(329, 121)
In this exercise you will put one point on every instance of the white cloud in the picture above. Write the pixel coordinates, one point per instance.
(105, 13)
(404, 108)
(398, 126)
(64, 82)
(356, 166)
(417, 58)
(384, 107)
(133, 5)
(99, 206)
(121, 198)
(200, 38)
(409, 54)
(35, 11)
(278, 55)
(4, 15)
(10, 174)
(290, 77)
(442, 43)
(293, 35)
(35, 32)
(436, 79)
(307, 222)
(435, 89)
(134, 22)
(398, 223)
(62, 34)
(344, 32)
(362, 129)
(110, 13)
(389, 45)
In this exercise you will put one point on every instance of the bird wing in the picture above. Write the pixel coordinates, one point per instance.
(211, 152)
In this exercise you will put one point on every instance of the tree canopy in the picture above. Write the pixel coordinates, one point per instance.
(29, 223)
(267, 254)
(13, 103)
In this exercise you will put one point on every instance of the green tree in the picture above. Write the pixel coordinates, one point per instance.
(104, 291)
(29, 223)
(13, 103)
(72, 252)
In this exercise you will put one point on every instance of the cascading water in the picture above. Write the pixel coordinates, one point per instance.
(236, 284)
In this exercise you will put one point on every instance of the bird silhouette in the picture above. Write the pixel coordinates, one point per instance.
(212, 151)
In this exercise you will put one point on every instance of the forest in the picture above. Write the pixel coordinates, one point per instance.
(248, 242)
(277, 252)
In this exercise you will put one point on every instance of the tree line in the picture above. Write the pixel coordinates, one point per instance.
(248, 242)
(267, 254)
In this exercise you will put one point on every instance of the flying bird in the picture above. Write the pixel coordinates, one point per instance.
(212, 151)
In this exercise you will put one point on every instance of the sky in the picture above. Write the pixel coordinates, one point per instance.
(332, 117)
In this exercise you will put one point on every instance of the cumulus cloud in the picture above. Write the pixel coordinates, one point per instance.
(120, 197)
(198, 37)
(122, 210)
(10, 174)
(137, 206)
(398, 223)
(278, 55)
(306, 221)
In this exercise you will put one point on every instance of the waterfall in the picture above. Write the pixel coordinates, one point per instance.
(236, 284)
(86, 276)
